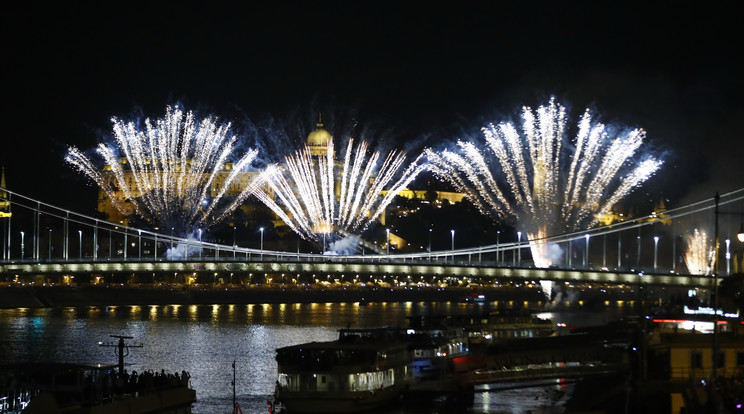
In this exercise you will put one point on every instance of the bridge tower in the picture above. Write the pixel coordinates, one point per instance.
(5, 215)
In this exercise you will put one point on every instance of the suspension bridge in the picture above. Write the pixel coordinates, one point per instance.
(42, 239)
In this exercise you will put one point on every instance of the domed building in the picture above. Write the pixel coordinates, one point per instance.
(318, 141)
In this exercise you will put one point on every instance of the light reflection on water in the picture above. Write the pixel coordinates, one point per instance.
(205, 340)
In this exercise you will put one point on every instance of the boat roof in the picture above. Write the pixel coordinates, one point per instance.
(351, 338)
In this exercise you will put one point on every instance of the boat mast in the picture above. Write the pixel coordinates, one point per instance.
(121, 347)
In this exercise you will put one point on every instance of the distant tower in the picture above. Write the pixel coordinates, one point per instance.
(319, 140)
(4, 201)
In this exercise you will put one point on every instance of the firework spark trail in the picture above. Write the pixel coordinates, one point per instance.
(351, 196)
(409, 175)
(172, 167)
(347, 203)
(699, 257)
(237, 170)
(551, 189)
(305, 189)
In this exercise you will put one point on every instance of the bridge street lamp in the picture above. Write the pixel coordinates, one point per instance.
(638, 254)
(429, 241)
(80, 244)
(387, 243)
(50, 244)
(200, 245)
(604, 250)
(95, 242)
(674, 254)
(586, 251)
(36, 254)
(22, 246)
(498, 232)
(453, 245)
(656, 250)
(66, 237)
(234, 244)
(261, 242)
(519, 247)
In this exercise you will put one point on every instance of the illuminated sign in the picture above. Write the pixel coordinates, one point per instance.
(709, 311)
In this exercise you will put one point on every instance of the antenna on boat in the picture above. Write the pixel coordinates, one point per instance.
(120, 347)
(236, 406)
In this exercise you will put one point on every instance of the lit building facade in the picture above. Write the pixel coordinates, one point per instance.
(125, 209)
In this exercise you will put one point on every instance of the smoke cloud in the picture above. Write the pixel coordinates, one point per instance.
(346, 246)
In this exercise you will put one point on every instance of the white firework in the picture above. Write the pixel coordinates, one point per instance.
(699, 256)
(175, 171)
(317, 198)
(538, 180)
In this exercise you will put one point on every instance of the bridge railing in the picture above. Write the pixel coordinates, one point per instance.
(37, 232)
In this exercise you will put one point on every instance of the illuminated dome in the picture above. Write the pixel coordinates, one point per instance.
(319, 140)
(319, 137)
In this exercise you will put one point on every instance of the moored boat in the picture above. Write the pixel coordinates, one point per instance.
(361, 370)
(50, 387)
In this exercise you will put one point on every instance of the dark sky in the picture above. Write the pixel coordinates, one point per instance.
(431, 73)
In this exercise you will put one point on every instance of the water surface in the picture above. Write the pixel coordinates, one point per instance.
(205, 340)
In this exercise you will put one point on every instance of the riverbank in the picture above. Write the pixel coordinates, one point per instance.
(13, 296)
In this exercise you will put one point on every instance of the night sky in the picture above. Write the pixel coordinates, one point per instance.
(423, 75)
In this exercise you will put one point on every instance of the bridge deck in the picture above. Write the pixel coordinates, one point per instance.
(336, 266)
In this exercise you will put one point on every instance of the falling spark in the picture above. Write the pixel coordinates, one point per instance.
(320, 200)
(539, 181)
(174, 172)
(699, 256)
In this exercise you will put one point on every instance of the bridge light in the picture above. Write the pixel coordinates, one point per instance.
(519, 247)
(656, 250)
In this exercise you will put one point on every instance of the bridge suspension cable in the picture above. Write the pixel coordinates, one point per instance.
(26, 220)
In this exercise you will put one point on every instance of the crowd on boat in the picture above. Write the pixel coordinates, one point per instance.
(114, 384)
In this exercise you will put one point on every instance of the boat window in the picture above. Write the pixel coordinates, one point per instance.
(696, 360)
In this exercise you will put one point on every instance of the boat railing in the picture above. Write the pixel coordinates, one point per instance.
(15, 401)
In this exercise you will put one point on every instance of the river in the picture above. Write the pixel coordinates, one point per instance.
(205, 340)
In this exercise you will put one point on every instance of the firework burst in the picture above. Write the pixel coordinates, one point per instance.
(320, 199)
(699, 255)
(175, 171)
(539, 180)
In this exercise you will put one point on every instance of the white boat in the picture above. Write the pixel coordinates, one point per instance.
(362, 370)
